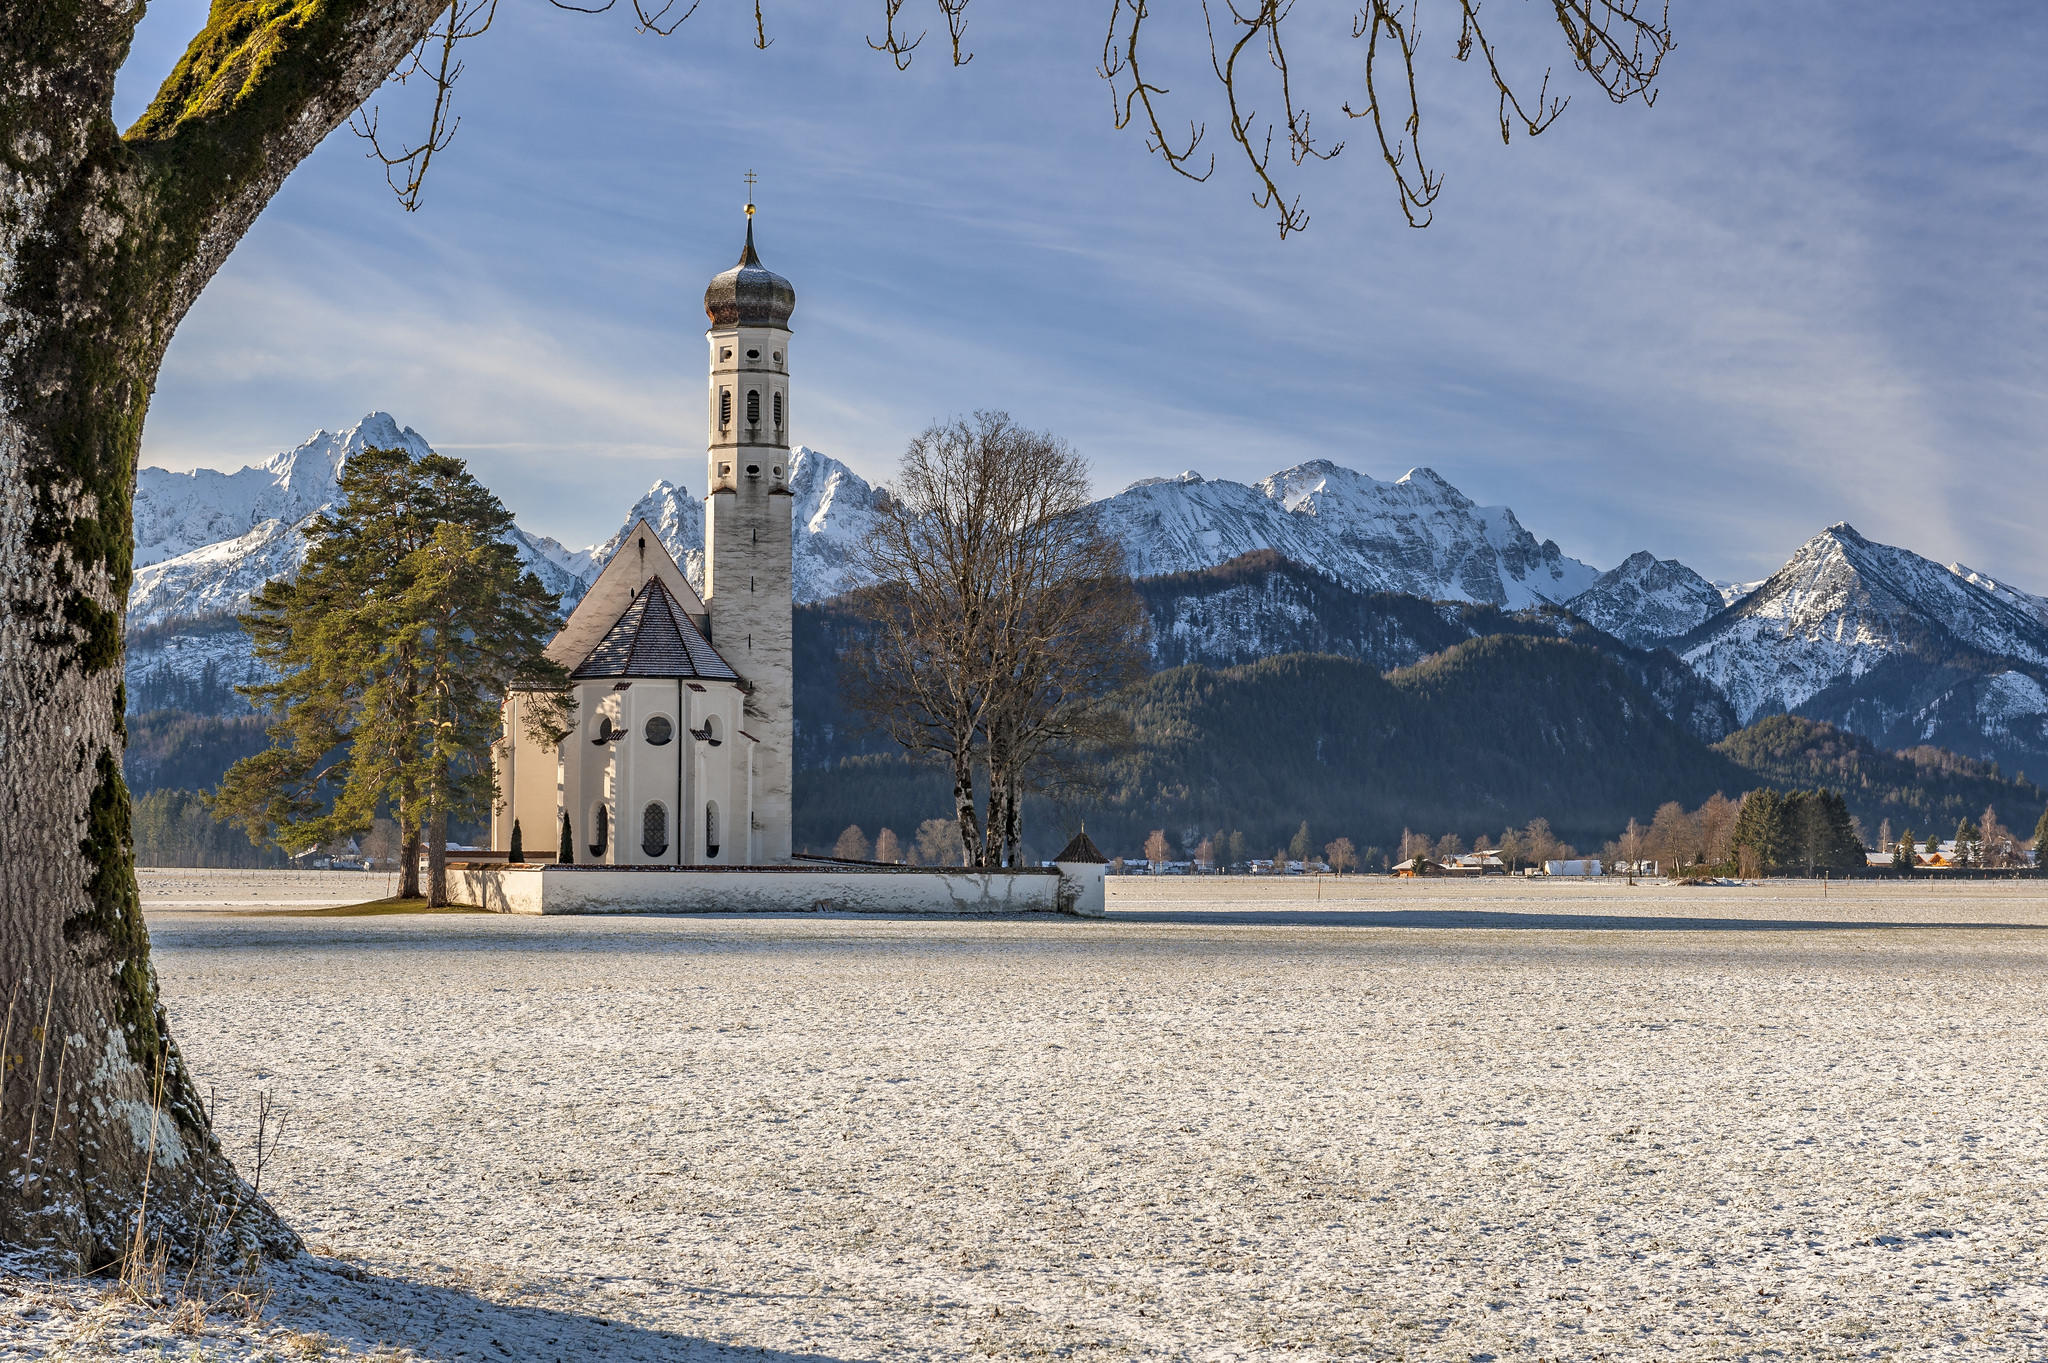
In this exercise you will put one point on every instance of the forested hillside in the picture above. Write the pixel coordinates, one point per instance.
(1925, 789)
(1495, 731)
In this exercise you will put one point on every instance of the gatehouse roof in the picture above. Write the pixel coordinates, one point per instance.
(653, 637)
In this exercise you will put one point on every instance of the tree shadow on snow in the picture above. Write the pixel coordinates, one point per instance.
(1482, 918)
(369, 1311)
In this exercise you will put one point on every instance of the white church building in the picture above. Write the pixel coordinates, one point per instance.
(672, 790)
(681, 752)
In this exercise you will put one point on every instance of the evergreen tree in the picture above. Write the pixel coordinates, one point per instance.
(518, 851)
(565, 855)
(1760, 827)
(1968, 844)
(409, 620)
(1905, 855)
(1300, 848)
(2041, 838)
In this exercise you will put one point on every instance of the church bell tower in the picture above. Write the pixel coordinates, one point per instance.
(747, 537)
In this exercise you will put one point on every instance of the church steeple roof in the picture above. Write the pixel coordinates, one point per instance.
(749, 294)
(654, 638)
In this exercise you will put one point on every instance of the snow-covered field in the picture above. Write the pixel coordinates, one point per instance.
(1558, 1121)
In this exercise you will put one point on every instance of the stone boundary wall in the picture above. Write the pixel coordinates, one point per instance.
(952, 891)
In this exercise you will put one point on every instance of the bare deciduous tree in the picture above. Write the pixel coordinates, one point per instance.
(1341, 856)
(888, 847)
(1001, 620)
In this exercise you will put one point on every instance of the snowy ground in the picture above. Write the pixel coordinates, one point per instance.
(1558, 1121)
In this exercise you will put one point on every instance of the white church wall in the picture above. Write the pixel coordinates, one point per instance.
(529, 789)
(795, 889)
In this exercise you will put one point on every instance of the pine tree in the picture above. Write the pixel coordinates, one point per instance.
(1300, 848)
(518, 852)
(1905, 855)
(409, 620)
(1760, 827)
(1968, 851)
(565, 855)
(2041, 838)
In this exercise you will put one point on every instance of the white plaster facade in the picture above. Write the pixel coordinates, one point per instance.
(682, 753)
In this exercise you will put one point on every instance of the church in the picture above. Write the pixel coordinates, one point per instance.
(681, 751)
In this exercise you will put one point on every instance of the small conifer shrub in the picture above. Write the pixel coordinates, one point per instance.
(566, 854)
(518, 852)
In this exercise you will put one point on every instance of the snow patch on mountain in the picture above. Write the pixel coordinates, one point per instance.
(1647, 600)
(2035, 606)
(1416, 534)
(1841, 607)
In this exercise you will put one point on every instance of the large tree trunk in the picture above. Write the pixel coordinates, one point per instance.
(104, 244)
(963, 806)
(437, 860)
(409, 863)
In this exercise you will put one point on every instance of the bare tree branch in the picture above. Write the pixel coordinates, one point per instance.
(462, 21)
(654, 21)
(1120, 61)
(892, 42)
(956, 27)
(1619, 44)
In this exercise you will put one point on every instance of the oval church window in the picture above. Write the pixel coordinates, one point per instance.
(660, 730)
(654, 831)
(600, 831)
(711, 831)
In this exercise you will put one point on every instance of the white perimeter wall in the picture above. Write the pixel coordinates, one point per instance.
(596, 889)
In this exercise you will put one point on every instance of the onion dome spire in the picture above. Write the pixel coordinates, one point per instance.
(749, 294)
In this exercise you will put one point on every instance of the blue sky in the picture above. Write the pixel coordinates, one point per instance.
(1807, 286)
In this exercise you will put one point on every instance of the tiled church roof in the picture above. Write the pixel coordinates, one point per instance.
(654, 639)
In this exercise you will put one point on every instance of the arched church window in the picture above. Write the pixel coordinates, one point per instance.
(654, 831)
(604, 729)
(725, 406)
(711, 729)
(600, 830)
(711, 830)
(778, 409)
(753, 406)
(660, 730)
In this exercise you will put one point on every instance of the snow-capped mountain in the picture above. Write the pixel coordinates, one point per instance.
(1417, 534)
(1647, 600)
(207, 541)
(1845, 608)
(176, 513)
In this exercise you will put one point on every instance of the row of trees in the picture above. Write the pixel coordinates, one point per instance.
(1804, 831)
(1980, 843)
(392, 647)
(936, 843)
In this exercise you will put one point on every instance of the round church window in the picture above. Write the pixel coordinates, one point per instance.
(659, 730)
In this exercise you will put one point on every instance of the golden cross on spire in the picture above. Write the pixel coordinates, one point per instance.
(750, 193)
